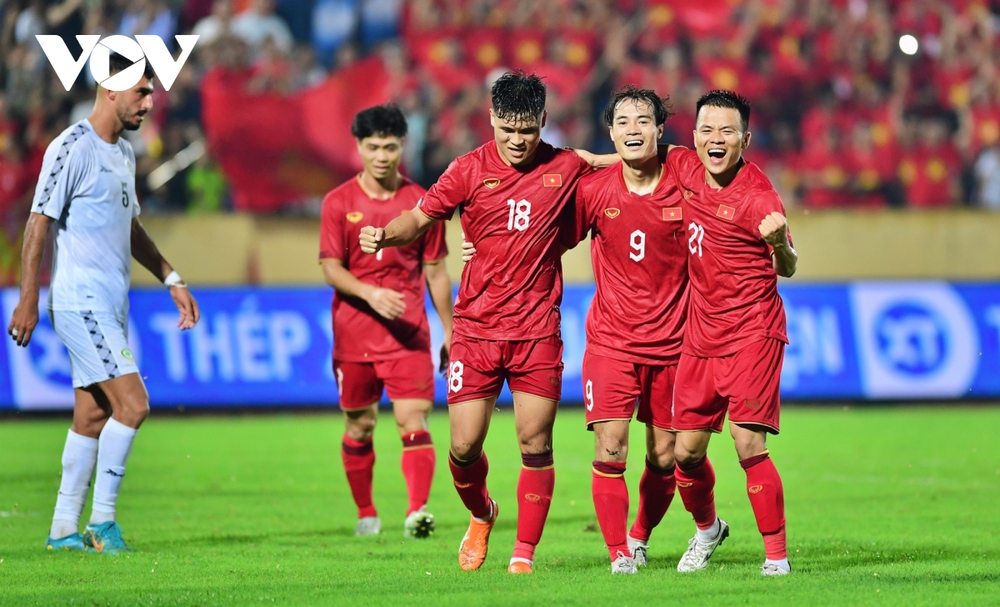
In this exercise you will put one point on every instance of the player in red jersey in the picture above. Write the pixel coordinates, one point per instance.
(734, 341)
(634, 328)
(380, 330)
(512, 194)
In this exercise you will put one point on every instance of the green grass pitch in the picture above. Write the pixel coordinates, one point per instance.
(886, 506)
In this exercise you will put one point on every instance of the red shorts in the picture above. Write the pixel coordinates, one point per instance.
(612, 388)
(744, 383)
(478, 368)
(360, 384)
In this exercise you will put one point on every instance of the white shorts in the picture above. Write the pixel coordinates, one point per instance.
(97, 344)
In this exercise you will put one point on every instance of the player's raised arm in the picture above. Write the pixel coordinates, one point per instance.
(145, 252)
(774, 229)
(25, 316)
(401, 231)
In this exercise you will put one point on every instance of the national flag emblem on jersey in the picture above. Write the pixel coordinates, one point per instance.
(672, 214)
(355, 216)
(491, 183)
(726, 212)
(552, 180)
(612, 213)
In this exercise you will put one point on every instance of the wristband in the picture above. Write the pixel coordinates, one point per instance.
(174, 280)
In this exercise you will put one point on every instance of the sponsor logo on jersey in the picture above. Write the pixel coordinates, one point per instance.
(672, 214)
(462, 485)
(491, 183)
(688, 194)
(532, 497)
(726, 212)
(552, 180)
(612, 212)
(753, 489)
(355, 216)
(753, 403)
(127, 353)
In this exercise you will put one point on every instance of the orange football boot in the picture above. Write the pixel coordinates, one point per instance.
(475, 544)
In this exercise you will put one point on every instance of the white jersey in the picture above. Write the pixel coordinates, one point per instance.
(88, 187)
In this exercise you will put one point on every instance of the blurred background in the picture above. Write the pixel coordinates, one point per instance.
(877, 120)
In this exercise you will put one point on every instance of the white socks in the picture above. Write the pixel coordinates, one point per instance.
(710, 534)
(115, 446)
(78, 459)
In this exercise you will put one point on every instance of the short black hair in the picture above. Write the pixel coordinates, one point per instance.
(726, 99)
(385, 120)
(661, 106)
(119, 63)
(518, 97)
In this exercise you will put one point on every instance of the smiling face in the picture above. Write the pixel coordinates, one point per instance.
(517, 141)
(720, 139)
(381, 155)
(634, 130)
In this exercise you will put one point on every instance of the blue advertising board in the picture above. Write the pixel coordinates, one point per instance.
(272, 346)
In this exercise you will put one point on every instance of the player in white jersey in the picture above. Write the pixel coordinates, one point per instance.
(86, 195)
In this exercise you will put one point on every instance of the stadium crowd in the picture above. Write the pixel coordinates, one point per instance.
(842, 116)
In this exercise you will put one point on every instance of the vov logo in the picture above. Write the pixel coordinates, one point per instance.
(140, 50)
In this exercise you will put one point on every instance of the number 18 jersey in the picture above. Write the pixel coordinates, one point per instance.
(512, 288)
(639, 255)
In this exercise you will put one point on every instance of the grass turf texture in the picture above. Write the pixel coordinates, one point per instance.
(891, 506)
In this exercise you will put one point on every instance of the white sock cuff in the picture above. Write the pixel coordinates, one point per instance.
(81, 441)
(116, 427)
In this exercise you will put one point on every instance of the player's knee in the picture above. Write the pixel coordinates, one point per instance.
(609, 446)
(465, 452)
(686, 455)
(662, 455)
(538, 441)
(133, 412)
(361, 428)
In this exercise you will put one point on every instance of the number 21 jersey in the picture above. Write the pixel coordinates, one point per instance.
(734, 288)
(512, 288)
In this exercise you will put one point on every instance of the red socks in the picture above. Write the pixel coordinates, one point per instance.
(418, 468)
(359, 463)
(470, 482)
(696, 484)
(656, 491)
(611, 504)
(767, 498)
(534, 495)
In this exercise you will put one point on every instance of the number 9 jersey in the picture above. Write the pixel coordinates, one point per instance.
(639, 255)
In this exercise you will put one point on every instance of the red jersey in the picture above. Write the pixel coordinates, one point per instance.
(639, 252)
(512, 288)
(360, 334)
(734, 289)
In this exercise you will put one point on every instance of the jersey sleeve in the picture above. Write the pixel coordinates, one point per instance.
(135, 207)
(58, 180)
(331, 231)
(446, 194)
(574, 223)
(435, 244)
(682, 164)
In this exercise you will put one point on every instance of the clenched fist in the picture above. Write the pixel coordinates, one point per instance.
(774, 229)
(371, 239)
